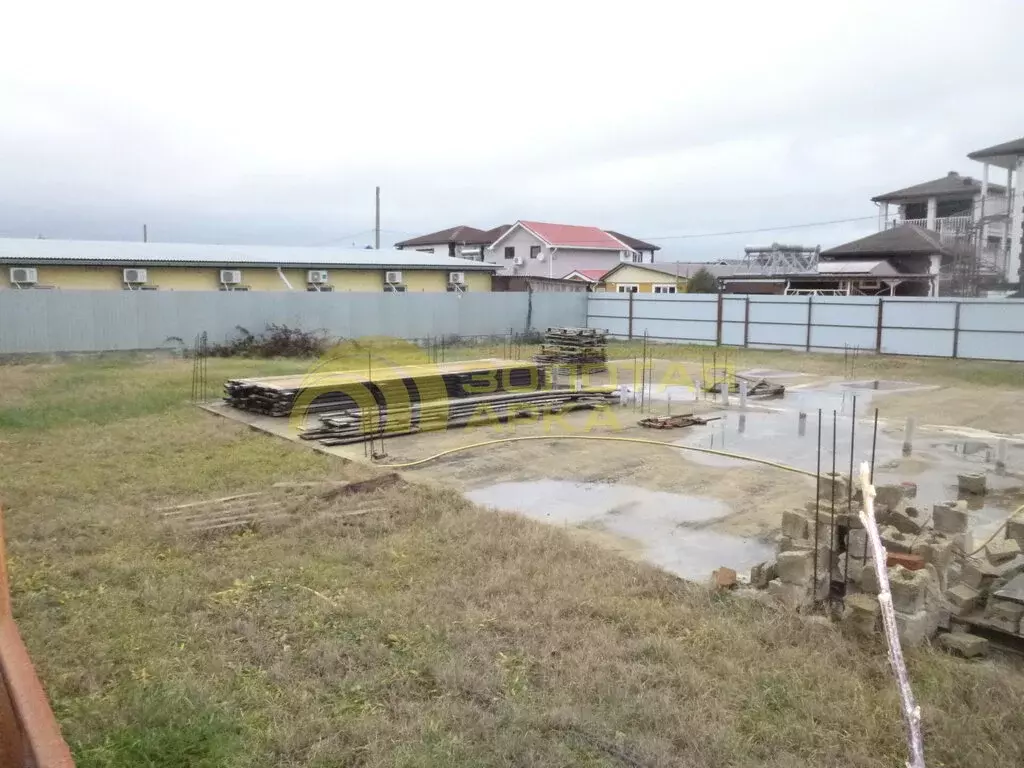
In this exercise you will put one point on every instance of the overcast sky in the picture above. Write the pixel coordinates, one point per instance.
(239, 122)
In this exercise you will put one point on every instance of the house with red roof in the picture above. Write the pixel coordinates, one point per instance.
(536, 248)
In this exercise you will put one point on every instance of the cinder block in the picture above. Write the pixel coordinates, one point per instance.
(1010, 569)
(869, 578)
(914, 628)
(892, 496)
(1015, 529)
(971, 482)
(935, 549)
(829, 481)
(861, 614)
(962, 599)
(1002, 550)
(795, 567)
(1004, 614)
(908, 589)
(857, 541)
(949, 517)
(978, 575)
(895, 540)
(761, 574)
(964, 644)
(794, 525)
(909, 489)
(903, 521)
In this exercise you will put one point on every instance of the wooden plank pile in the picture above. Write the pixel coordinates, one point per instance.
(575, 347)
(360, 425)
(759, 388)
(346, 390)
(676, 421)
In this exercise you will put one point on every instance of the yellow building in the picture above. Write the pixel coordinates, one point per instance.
(665, 277)
(134, 266)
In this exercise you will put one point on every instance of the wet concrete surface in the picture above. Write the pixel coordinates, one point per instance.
(669, 529)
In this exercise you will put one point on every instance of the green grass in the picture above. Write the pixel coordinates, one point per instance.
(431, 633)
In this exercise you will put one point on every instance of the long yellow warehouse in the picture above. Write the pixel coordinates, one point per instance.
(97, 265)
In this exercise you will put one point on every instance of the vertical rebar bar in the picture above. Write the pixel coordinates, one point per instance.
(817, 513)
(849, 494)
(871, 477)
(832, 504)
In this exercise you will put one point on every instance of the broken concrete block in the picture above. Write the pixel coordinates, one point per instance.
(977, 575)
(891, 496)
(794, 525)
(909, 490)
(792, 596)
(948, 517)
(857, 541)
(895, 540)
(964, 644)
(838, 481)
(962, 599)
(914, 628)
(795, 567)
(903, 521)
(1015, 529)
(1013, 590)
(971, 482)
(1002, 550)
(761, 574)
(869, 578)
(1003, 614)
(963, 543)
(848, 569)
(1009, 570)
(935, 549)
(908, 589)
(862, 614)
(723, 578)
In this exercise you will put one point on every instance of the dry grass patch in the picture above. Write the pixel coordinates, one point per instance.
(428, 633)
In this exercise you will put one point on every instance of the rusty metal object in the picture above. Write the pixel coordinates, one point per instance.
(29, 734)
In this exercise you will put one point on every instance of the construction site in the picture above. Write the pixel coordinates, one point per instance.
(378, 527)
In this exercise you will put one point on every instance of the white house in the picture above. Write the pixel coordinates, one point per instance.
(1006, 217)
(535, 248)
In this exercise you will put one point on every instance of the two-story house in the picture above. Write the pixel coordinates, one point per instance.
(967, 214)
(536, 248)
(1004, 218)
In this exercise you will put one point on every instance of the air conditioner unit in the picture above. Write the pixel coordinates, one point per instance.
(317, 276)
(230, 276)
(135, 276)
(517, 261)
(393, 277)
(27, 275)
(456, 278)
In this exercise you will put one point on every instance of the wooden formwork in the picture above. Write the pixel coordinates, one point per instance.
(29, 734)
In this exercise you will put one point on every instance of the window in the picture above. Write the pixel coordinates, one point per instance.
(627, 288)
(638, 257)
(534, 251)
(664, 288)
(510, 251)
(424, 250)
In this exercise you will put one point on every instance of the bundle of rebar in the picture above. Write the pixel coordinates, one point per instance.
(358, 425)
(343, 390)
(575, 347)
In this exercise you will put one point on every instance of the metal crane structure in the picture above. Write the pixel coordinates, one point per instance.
(779, 259)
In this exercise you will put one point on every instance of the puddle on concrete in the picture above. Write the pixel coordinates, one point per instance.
(882, 384)
(661, 523)
(934, 463)
(772, 373)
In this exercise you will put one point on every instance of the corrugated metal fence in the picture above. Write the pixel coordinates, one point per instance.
(99, 321)
(943, 327)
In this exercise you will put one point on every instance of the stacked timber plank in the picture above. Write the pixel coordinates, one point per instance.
(407, 384)
(360, 425)
(575, 347)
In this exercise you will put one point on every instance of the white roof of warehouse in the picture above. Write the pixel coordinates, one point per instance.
(873, 267)
(32, 252)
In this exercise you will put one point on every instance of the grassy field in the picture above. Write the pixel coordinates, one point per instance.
(432, 634)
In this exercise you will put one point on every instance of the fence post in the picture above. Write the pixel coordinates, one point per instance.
(956, 329)
(810, 312)
(718, 330)
(878, 327)
(630, 315)
(746, 320)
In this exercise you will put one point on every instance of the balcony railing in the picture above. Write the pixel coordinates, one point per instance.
(948, 227)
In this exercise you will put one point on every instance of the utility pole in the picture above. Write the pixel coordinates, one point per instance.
(145, 234)
(376, 223)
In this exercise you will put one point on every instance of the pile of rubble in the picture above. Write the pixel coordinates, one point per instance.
(938, 579)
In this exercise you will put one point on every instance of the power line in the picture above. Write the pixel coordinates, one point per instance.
(762, 229)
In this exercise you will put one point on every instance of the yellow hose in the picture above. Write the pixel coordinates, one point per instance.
(644, 441)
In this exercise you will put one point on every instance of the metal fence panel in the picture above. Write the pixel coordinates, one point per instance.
(986, 316)
(907, 313)
(925, 342)
(990, 345)
(98, 321)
